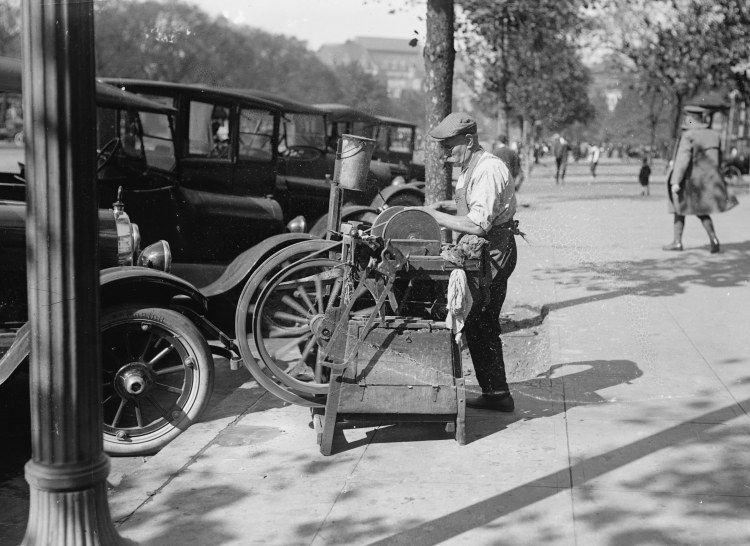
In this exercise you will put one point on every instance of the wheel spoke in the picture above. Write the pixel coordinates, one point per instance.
(118, 414)
(302, 293)
(303, 357)
(287, 332)
(319, 294)
(157, 405)
(291, 302)
(335, 289)
(107, 399)
(138, 416)
(288, 345)
(171, 369)
(146, 346)
(161, 354)
(282, 315)
(168, 388)
(365, 311)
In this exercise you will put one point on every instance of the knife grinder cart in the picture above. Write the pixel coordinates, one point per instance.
(380, 351)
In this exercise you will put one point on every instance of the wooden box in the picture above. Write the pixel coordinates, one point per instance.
(403, 370)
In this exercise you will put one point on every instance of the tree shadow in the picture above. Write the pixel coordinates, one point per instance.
(638, 522)
(668, 276)
(553, 392)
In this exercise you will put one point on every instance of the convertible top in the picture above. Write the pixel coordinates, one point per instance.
(11, 81)
(385, 120)
(207, 92)
(286, 105)
(342, 112)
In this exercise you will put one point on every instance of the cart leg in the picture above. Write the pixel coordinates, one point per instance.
(461, 413)
(317, 419)
(332, 409)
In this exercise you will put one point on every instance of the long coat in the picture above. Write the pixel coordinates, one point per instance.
(697, 171)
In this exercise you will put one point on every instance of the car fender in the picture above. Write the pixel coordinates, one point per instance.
(244, 264)
(144, 285)
(386, 194)
(348, 212)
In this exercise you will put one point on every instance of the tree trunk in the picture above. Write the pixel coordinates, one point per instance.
(439, 55)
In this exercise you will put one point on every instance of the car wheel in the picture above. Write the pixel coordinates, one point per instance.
(157, 377)
(732, 175)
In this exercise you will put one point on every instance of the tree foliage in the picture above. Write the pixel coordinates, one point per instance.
(681, 47)
(527, 54)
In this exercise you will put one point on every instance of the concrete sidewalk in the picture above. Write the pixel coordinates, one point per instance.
(631, 424)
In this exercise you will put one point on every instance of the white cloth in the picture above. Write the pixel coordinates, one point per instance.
(459, 302)
(490, 195)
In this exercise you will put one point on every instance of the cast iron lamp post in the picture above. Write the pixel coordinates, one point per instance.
(68, 470)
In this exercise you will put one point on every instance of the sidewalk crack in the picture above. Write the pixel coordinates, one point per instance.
(188, 464)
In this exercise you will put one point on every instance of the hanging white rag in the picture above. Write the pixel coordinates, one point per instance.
(459, 302)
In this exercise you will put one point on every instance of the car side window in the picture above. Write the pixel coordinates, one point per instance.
(400, 139)
(209, 131)
(256, 135)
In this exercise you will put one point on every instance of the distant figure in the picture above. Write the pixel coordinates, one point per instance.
(643, 176)
(695, 185)
(594, 153)
(509, 157)
(560, 148)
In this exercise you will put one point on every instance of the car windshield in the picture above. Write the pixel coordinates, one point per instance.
(304, 130)
(400, 139)
(144, 136)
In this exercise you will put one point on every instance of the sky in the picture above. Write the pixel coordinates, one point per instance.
(324, 21)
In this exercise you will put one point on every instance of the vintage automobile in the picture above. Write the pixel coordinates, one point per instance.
(396, 140)
(275, 151)
(157, 364)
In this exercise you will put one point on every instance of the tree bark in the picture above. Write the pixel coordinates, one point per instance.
(439, 55)
(68, 470)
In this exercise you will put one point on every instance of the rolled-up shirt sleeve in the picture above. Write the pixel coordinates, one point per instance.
(484, 192)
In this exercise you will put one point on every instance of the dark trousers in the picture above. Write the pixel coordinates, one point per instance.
(482, 328)
(562, 164)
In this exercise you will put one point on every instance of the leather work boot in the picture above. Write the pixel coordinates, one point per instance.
(496, 402)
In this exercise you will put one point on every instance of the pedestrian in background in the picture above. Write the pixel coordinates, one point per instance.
(695, 184)
(644, 175)
(509, 157)
(594, 153)
(560, 149)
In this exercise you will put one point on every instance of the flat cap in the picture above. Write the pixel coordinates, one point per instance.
(454, 124)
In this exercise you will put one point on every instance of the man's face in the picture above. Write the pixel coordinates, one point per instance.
(455, 149)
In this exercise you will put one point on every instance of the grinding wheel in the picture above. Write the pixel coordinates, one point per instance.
(412, 224)
(379, 225)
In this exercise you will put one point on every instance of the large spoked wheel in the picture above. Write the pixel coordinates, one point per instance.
(246, 309)
(157, 378)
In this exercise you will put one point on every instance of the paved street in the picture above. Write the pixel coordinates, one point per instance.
(631, 422)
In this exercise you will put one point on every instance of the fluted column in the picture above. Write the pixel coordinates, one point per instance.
(68, 469)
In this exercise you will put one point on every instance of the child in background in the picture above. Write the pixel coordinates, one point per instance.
(644, 175)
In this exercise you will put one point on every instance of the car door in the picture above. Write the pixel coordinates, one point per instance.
(206, 170)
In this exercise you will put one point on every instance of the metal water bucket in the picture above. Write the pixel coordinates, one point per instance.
(353, 155)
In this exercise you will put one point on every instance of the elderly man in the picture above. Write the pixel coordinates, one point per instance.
(485, 203)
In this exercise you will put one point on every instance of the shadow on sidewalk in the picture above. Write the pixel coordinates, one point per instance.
(707, 479)
(542, 396)
(654, 277)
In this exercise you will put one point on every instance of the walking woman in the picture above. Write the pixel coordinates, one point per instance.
(695, 184)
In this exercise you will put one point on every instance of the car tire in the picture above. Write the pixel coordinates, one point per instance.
(164, 352)
(732, 175)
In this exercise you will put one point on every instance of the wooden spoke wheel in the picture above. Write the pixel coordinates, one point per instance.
(157, 377)
(246, 307)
